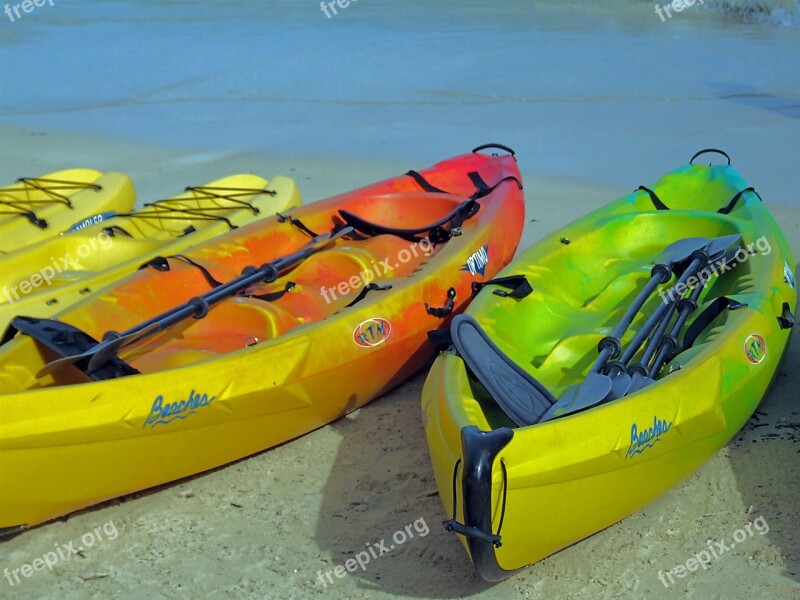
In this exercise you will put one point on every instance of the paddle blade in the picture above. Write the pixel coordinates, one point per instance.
(638, 382)
(619, 386)
(681, 250)
(100, 354)
(108, 350)
(719, 245)
(594, 389)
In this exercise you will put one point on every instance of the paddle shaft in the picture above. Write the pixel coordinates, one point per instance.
(686, 309)
(655, 318)
(628, 317)
(655, 340)
(267, 273)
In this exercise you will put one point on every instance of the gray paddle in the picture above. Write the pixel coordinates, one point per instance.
(597, 386)
(688, 306)
(196, 307)
(599, 383)
(639, 371)
(644, 375)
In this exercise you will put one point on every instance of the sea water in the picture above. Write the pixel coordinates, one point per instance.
(604, 91)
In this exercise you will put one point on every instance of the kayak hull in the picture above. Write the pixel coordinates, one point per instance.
(70, 267)
(72, 446)
(555, 483)
(51, 204)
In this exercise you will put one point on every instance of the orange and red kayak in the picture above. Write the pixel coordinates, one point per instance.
(247, 340)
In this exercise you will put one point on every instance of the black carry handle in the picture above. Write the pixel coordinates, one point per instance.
(711, 151)
(473, 532)
(498, 146)
(444, 311)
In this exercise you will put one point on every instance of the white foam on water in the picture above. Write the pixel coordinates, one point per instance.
(783, 13)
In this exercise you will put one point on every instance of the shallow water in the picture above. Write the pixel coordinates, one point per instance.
(602, 91)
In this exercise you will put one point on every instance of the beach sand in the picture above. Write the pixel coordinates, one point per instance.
(266, 526)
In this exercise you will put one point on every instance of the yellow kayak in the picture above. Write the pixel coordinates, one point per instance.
(607, 363)
(37, 208)
(39, 281)
(249, 340)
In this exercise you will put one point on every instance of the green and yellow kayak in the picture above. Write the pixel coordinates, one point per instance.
(34, 209)
(607, 363)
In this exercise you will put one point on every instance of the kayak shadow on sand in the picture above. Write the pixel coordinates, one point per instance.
(765, 458)
(381, 496)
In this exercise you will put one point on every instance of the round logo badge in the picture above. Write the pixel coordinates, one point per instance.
(372, 332)
(755, 348)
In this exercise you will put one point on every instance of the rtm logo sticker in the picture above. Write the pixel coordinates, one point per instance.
(372, 332)
(476, 264)
(755, 348)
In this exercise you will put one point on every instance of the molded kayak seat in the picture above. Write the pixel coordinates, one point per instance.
(521, 397)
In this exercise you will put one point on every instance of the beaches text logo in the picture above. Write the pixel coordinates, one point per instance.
(642, 440)
(163, 414)
(476, 263)
(372, 332)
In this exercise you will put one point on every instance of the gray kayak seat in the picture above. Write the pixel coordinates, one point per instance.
(523, 399)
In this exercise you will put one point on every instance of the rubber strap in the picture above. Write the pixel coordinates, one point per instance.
(653, 198)
(455, 219)
(372, 287)
(273, 296)
(110, 231)
(444, 311)
(161, 263)
(730, 206)
(480, 185)
(518, 284)
(705, 318)
(296, 222)
(424, 183)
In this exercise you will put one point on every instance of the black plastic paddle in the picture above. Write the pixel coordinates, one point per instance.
(640, 370)
(196, 307)
(668, 345)
(598, 386)
(610, 347)
(644, 374)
